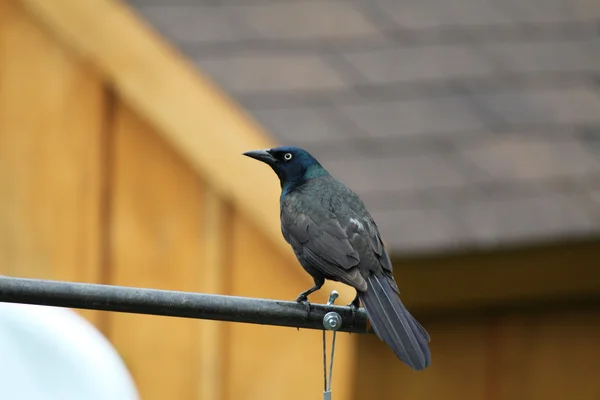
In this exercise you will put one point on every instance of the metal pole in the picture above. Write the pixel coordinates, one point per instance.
(177, 304)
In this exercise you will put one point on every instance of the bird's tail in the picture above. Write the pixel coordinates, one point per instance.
(393, 323)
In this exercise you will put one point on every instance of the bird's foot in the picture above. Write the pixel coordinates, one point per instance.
(303, 299)
(355, 304)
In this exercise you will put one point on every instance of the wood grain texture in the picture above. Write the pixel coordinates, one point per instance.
(203, 125)
(550, 354)
(52, 109)
(157, 236)
(457, 371)
(557, 271)
(215, 278)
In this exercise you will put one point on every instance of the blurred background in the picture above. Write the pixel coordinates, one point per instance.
(471, 129)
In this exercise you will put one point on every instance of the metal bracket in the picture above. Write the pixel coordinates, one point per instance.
(332, 321)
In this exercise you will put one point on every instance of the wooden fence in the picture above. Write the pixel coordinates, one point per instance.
(120, 164)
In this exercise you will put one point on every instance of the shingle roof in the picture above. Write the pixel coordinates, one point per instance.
(468, 123)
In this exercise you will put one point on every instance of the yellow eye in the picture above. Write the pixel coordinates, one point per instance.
(287, 156)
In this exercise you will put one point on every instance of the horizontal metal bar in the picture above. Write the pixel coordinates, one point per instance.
(176, 304)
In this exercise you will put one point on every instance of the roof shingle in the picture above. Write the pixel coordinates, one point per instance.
(272, 72)
(474, 123)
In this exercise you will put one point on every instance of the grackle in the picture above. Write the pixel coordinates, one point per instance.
(334, 237)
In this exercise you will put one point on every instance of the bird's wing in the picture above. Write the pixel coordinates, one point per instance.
(372, 231)
(325, 245)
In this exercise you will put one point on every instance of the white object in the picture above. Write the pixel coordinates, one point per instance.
(50, 353)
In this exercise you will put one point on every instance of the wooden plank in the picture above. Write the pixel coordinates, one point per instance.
(203, 125)
(549, 355)
(552, 354)
(457, 371)
(51, 117)
(157, 236)
(550, 272)
(214, 279)
(276, 363)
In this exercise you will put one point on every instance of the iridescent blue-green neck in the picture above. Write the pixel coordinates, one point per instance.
(312, 172)
(315, 171)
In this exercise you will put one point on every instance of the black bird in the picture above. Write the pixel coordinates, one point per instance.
(334, 237)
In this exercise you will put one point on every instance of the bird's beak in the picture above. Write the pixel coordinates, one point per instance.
(261, 155)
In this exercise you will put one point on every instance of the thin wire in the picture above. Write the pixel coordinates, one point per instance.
(325, 361)
(331, 361)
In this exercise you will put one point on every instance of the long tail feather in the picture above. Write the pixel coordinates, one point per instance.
(393, 323)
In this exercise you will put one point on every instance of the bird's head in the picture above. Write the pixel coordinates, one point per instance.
(292, 165)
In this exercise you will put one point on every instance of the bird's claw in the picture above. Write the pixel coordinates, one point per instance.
(354, 305)
(303, 299)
